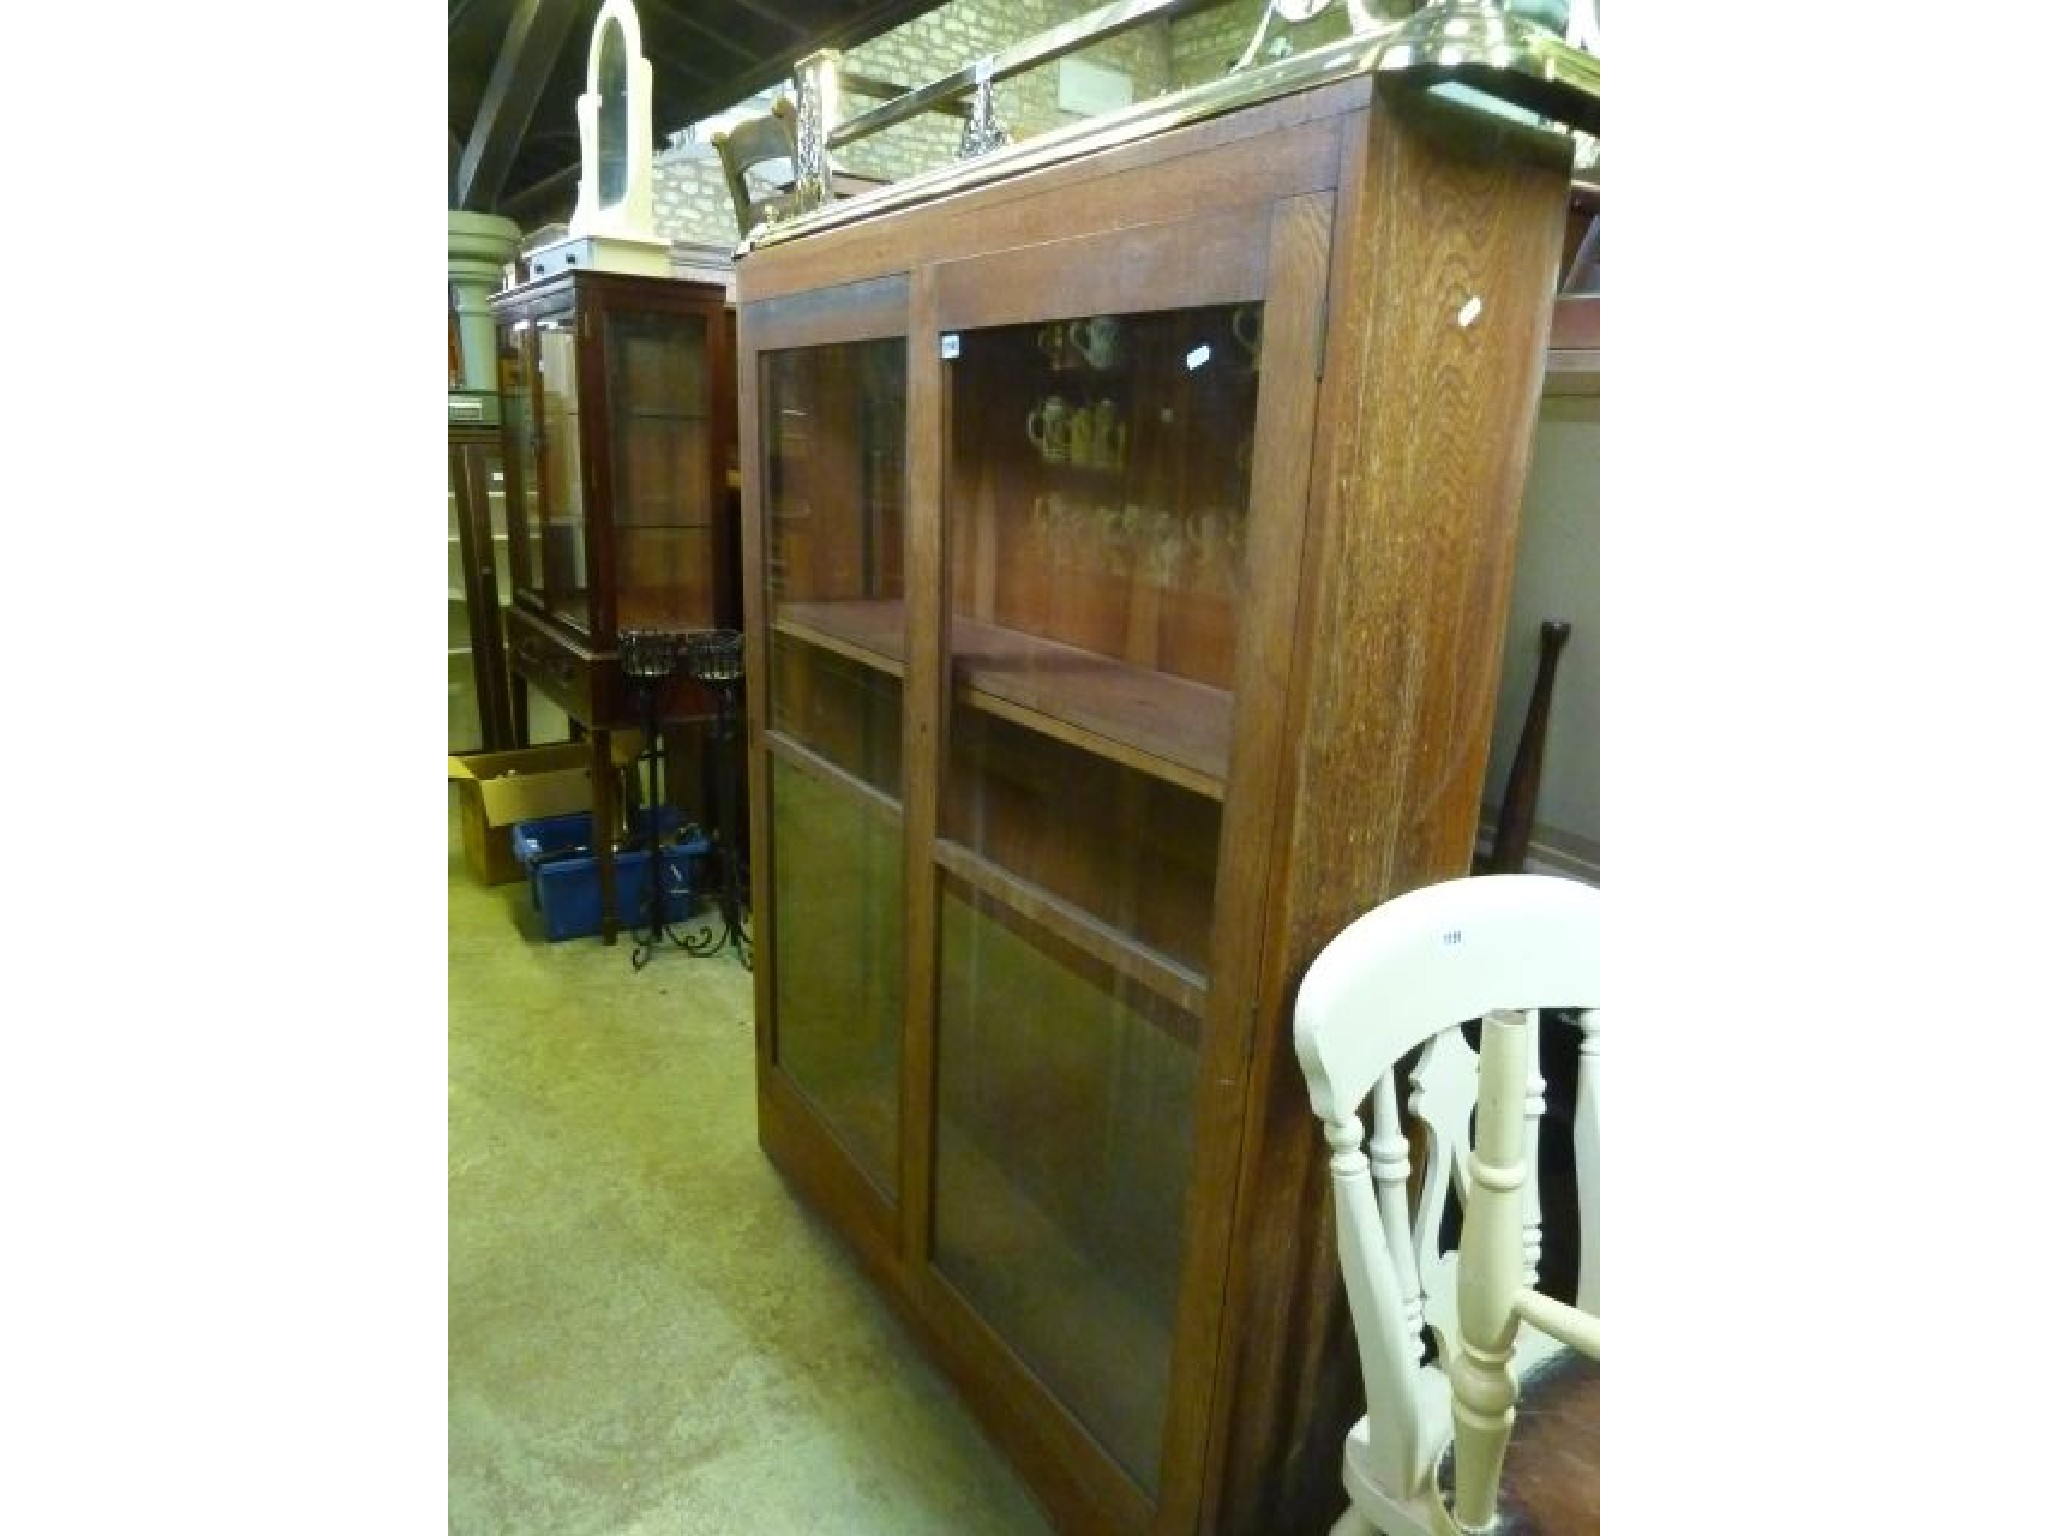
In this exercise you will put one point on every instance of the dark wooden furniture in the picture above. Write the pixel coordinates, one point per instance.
(486, 713)
(1525, 774)
(1069, 749)
(618, 415)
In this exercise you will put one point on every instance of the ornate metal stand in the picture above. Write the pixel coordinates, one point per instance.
(648, 657)
(715, 658)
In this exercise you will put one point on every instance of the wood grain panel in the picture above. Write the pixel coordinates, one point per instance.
(753, 540)
(1246, 159)
(1410, 555)
(925, 599)
(1394, 415)
(803, 1146)
(855, 311)
(1216, 259)
(1299, 270)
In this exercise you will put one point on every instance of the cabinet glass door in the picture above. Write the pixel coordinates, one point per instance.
(833, 493)
(543, 428)
(482, 713)
(1096, 490)
(658, 393)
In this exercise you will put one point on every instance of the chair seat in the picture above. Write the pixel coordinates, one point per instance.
(1550, 1483)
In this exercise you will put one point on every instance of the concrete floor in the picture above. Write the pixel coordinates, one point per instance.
(646, 1332)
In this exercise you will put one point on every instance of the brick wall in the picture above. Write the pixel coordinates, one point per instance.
(690, 201)
(1209, 42)
(956, 35)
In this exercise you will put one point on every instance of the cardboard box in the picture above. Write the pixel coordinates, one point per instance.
(497, 789)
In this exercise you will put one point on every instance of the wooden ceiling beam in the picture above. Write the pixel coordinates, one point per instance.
(672, 16)
(774, 17)
(533, 41)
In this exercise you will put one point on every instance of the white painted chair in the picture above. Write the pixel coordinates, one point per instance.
(1393, 990)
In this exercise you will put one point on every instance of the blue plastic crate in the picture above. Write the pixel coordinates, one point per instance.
(547, 835)
(565, 890)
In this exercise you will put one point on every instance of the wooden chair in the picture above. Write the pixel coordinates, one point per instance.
(1439, 1336)
(759, 157)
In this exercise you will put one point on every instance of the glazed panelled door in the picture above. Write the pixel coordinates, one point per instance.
(482, 715)
(833, 425)
(1096, 490)
(659, 387)
(550, 429)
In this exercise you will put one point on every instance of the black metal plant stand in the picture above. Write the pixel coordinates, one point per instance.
(716, 658)
(648, 657)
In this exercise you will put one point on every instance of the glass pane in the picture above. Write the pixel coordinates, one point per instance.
(834, 479)
(476, 539)
(565, 571)
(838, 865)
(522, 441)
(1097, 486)
(501, 553)
(465, 708)
(659, 399)
(1065, 1129)
(835, 425)
(1135, 851)
(849, 714)
(833, 428)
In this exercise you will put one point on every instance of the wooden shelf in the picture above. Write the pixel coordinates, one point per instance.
(870, 633)
(1154, 722)
(824, 771)
(1157, 973)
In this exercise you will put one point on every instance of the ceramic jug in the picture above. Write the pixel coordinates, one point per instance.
(1108, 436)
(1100, 340)
(1047, 427)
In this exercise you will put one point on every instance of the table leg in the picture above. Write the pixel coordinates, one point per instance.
(604, 816)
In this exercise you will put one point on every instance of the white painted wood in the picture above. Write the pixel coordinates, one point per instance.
(1443, 1088)
(1390, 1170)
(1490, 1269)
(1392, 1446)
(629, 216)
(1570, 1325)
(1532, 1195)
(1392, 989)
(1495, 1291)
(1586, 1134)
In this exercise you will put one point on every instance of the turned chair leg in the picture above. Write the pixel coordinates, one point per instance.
(1483, 1387)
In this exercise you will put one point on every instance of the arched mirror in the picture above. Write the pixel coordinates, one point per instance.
(611, 115)
(615, 114)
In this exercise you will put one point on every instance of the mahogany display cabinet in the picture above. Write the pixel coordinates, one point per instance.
(618, 404)
(1128, 536)
(485, 712)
